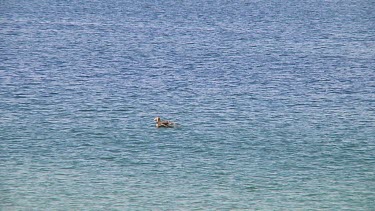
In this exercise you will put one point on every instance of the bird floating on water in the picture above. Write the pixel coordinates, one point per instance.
(164, 123)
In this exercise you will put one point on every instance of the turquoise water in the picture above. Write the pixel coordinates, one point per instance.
(276, 102)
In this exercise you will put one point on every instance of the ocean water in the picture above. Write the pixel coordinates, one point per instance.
(275, 102)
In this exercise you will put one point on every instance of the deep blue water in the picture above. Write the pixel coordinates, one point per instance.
(276, 102)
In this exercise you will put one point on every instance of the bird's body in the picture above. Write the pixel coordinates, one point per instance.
(163, 123)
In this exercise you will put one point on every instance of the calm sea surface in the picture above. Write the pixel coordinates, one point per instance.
(276, 102)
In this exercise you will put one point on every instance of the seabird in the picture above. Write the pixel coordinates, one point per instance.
(163, 123)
